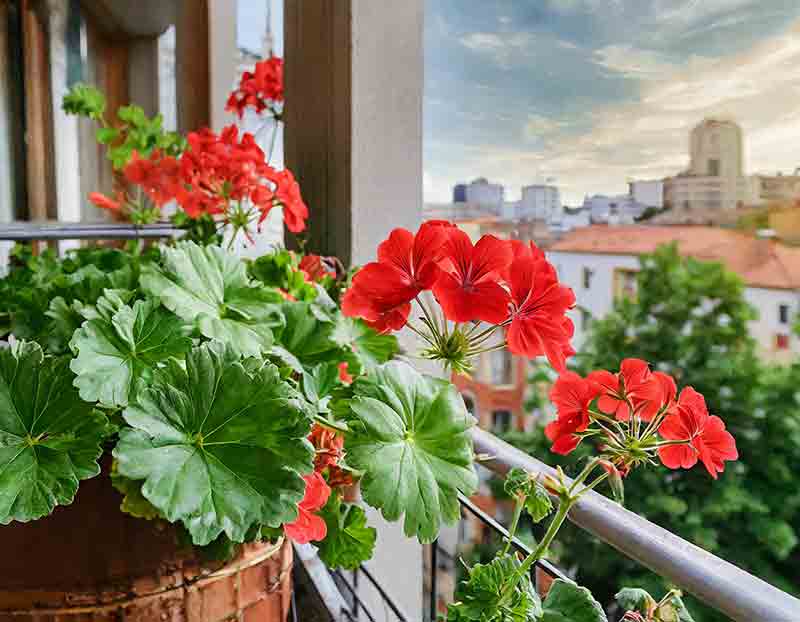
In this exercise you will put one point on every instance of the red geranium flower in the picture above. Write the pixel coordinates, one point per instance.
(468, 289)
(159, 176)
(407, 264)
(571, 394)
(635, 382)
(308, 526)
(344, 375)
(539, 324)
(258, 89)
(104, 202)
(705, 436)
(287, 193)
(314, 268)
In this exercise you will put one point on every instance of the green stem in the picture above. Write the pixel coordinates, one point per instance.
(558, 520)
(331, 425)
(512, 530)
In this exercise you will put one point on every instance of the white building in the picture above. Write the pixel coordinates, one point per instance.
(648, 192)
(620, 209)
(481, 193)
(539, 202)
(600, 264)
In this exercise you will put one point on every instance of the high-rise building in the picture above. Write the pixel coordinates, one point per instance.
(481, 192)
(539, 202)
(715, 178)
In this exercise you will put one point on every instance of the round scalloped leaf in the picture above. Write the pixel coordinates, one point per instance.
(221, 446)
(210, 287)
(409, 437)
(567, 602)
(50, 439)
(349, 542)
(117, 353)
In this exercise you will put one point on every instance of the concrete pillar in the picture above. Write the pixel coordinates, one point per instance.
(354, 82)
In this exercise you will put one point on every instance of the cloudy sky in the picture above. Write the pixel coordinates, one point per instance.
(596, 92)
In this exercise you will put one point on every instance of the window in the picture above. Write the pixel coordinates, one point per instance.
(781, 341)
(624, 283)
(588, 273)
(501, 421)
(713, 168)
(783, 314)
(586, 319)
(502, 367)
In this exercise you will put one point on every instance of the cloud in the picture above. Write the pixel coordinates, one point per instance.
(632, 62)
(647, 136)
(501, 48)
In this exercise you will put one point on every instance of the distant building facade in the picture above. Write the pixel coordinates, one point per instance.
(539, 202)
(600, 264)
(647, 192)
(620, 209)
(715, 178)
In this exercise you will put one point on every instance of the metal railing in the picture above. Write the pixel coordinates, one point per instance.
(30, 231)
(719, 584)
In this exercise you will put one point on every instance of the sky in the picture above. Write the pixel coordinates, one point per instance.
(593, 93)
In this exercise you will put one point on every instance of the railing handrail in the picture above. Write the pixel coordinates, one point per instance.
(20, 231)
(718, 583)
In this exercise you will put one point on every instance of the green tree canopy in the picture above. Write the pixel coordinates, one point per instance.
(689, 319)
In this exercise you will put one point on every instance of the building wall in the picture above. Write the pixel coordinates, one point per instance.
(598, 299)
(686, 192)
(648, 192)
(768, 326)
(539, 201)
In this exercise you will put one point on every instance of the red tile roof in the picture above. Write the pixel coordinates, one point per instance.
(759, 262)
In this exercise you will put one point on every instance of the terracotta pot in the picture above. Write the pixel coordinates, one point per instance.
(89, 561)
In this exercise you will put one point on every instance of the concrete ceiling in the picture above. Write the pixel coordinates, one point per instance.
(137, 18)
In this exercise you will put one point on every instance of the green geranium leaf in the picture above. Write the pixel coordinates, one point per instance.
(567, 602)
(133, 501)
(409, 437)
(85, 101)
(639, 600)
(479, 598)
(221, 445)
(114, 355)
(367, 347)
(210, 287)
(349, 542)
(305, 336)
(50, 439)
(520, 483)
(318, 384)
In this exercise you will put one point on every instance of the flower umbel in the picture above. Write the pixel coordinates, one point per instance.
(481, 293)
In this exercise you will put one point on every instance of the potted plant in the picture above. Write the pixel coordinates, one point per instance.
(211, 407)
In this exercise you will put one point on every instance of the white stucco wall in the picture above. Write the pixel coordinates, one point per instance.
(767, 302)
(598, 299)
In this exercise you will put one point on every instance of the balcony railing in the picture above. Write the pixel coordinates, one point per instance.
(719, 584)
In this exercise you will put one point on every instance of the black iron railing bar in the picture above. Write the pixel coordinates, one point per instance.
(384, 595)
(356, 599)
(487, 519)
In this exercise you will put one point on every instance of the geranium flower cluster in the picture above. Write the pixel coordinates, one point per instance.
(224, 176)
(638, 418)
(480, 288)
(260, 89)
(328, 474)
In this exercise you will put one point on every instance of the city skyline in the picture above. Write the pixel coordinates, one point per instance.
(595, 93)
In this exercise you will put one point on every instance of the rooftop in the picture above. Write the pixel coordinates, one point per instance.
(759, 262)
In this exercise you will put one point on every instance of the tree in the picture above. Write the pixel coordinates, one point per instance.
(689, 318)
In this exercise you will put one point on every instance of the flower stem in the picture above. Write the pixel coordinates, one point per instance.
(514, 522)
(330, 425)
